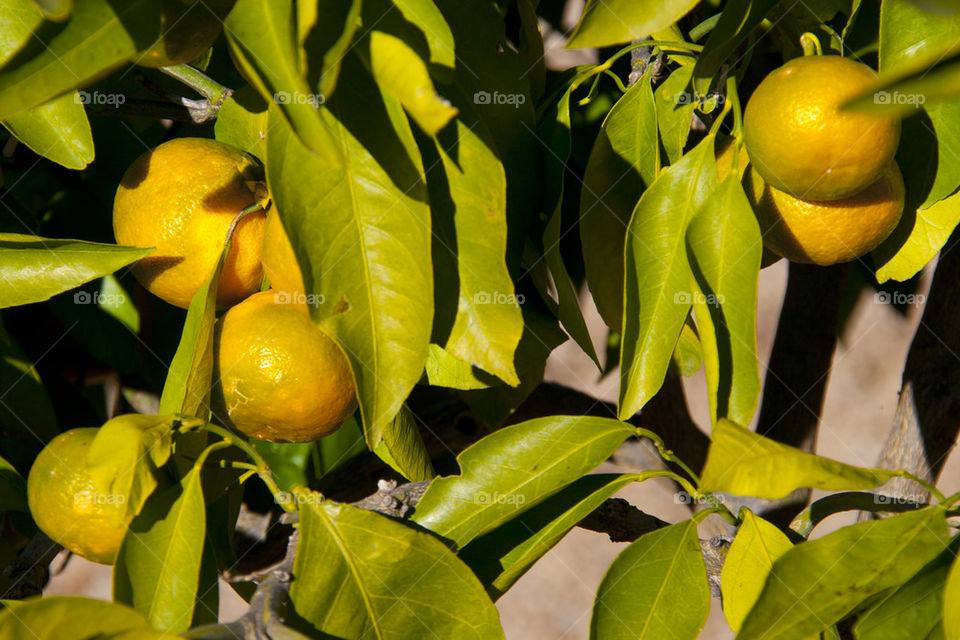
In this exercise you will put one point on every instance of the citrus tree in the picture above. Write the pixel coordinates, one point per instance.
(308, 259)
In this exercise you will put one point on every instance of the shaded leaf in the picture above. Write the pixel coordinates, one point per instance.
(13, 489)
(403, 449)
(329, 41)
(425, 15)
(512, 470)
(687, 356)
(242, 122)
(951, 595)
(33, 269)
(805, 521)
(25, 407)
(738, 19)
(675, 103)
(358, 574)
(607, 22)
(656, 588)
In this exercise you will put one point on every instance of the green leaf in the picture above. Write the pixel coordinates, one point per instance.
(447, 370)
(262, 36)
(400, 72)
(951, 595)
(427, 17)
(288, 461)
(488, 322)
(33, 269)
(57, 130)
(531, 48)
(658, 274)
(512, 470)
(358, 574)
(738, 19)
(675, 103)
(158, 566)
(656, 588)
(745, 463)
(99, 37)
(607, 22)
(817, 583)
(118, 304)
(502, 556)
(18, 19)
(13, 489)
(625, 157)
(724, 246)
(403, 449)
(751, 556)
(555, 133)
(687, 355)
(337, 448)
(242, 122)
(57, 10)
(124, 455)
(328, 40)
(805, 521)
(55, 617)
(26, 408)
(365, 245)
(914, 609)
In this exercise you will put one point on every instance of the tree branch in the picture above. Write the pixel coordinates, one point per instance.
(31, 570)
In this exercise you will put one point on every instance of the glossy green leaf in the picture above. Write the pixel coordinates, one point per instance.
(55, 617)
(57, 130)
(447, 370)
(18, 20)
(512, 470)
(158, 566)
(931, 228)
(124, 454)
(555, 133)
(608, 22)
(658, 274)
(724, 246)
(242, 122)
(624, 158)
(33, 269)
(100, 36)
(427, 17)
(751, 556)
(503, 555)
(687, 356)
(403, 449)
(656, 588)
(675, 103)
(745, 463)
(288, 461)
(25, 408)
(262, 36)
(738, 19)
(400, 72)
(488, 322)
(358, 574)
(365, 245)
(805, 521)
(914, 609)
(951, 595)
(817, 583)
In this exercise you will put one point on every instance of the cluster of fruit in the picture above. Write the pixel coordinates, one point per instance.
(823, 181)
(277, 375)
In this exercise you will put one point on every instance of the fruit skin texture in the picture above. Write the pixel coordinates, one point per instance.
(188, 28)
(279, 261)
(826, 233)
(181, 198)
(67, 507)
(279, 377)
(801, 143)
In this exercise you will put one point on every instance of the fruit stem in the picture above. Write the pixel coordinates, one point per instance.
(733, 99)
(810, 44)
(213, 91)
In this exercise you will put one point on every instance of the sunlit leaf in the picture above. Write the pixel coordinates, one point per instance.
(607, 22)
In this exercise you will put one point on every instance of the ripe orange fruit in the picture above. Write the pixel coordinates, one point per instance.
(826, 233)
(181, 198)
(66, 505)
(279, 377)
(279, 261)
(800, 141)
(188, 28)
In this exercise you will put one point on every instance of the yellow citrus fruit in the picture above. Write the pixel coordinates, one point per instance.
(66, 505)
(800, 141)
(279, 261)
(278, 377)
(826, 233)
(188, 28)
(181, 198)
